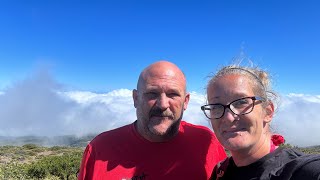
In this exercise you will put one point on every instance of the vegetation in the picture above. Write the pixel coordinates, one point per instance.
(35, 162)
(32, 161)
(307, 150)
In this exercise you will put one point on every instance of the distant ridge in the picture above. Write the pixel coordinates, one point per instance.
(66, 140)
(82, 141)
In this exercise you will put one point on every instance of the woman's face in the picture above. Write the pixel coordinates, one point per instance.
(238, 132)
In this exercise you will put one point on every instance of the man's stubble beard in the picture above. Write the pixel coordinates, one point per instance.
(171, 131)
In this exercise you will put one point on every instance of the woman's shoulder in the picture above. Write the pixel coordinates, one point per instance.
(220, 169)
(300, 165)
(309, 170)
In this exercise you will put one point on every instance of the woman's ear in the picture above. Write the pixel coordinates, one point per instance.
(269, 112)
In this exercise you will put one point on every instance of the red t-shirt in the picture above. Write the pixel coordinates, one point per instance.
(123, 154)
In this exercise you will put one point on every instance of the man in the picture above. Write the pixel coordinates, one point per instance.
(158, 145)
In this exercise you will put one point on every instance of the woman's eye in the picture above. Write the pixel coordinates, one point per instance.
(240, 103)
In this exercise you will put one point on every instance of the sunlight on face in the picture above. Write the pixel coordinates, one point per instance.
(236, 132)
(160, 102)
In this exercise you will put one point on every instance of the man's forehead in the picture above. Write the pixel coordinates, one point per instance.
(162, 73)
(163, 85)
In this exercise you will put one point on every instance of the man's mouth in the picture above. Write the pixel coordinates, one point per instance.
(160, 116)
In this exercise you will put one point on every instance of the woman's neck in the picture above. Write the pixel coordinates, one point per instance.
(251, 154)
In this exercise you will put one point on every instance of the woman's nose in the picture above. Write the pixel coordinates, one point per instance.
(229, 116)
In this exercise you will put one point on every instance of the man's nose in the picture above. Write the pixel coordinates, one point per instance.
(163, 101)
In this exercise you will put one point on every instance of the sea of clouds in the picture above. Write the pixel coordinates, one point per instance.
(39, 106)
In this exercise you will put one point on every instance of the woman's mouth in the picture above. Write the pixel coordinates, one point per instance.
(233, 131)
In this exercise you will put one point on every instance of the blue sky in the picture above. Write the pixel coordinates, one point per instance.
(72, 64)
(103, 45)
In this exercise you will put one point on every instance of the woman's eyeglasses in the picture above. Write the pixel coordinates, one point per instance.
(240, 107)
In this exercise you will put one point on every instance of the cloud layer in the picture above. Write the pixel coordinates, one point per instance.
(38, 106)
(298, 119)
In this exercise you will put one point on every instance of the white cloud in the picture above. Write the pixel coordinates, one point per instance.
(194, 114)
(45, 112)
(38, 106)
(298, 119)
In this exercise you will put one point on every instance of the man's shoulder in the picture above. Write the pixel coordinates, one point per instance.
(195, 127)
(114, 134)
(198, 131)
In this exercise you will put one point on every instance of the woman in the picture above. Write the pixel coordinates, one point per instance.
(241, 109)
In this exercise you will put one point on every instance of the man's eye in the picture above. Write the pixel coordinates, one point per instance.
(173, 95)
(151, 94)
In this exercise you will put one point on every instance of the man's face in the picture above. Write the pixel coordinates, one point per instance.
(160, 101)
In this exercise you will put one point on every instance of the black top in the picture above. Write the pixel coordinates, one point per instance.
(281, 164)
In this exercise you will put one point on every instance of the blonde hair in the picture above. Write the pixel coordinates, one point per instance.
(260, 79)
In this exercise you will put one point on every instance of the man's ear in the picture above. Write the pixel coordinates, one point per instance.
(269, 112)
(186, 101)
(135, 97)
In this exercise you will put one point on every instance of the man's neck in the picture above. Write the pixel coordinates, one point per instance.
(153, 137)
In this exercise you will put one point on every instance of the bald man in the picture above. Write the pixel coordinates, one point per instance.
(158, 145)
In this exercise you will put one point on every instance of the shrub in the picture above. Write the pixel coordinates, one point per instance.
(13, 171)
(64, 167)
(23, 162)
(30, 146)
(37, 171)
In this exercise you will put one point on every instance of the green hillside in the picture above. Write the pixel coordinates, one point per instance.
(34, 161)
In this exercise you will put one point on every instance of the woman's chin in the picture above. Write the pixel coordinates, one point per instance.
(234, 144)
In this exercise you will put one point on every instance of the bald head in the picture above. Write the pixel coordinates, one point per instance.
(161, 69)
